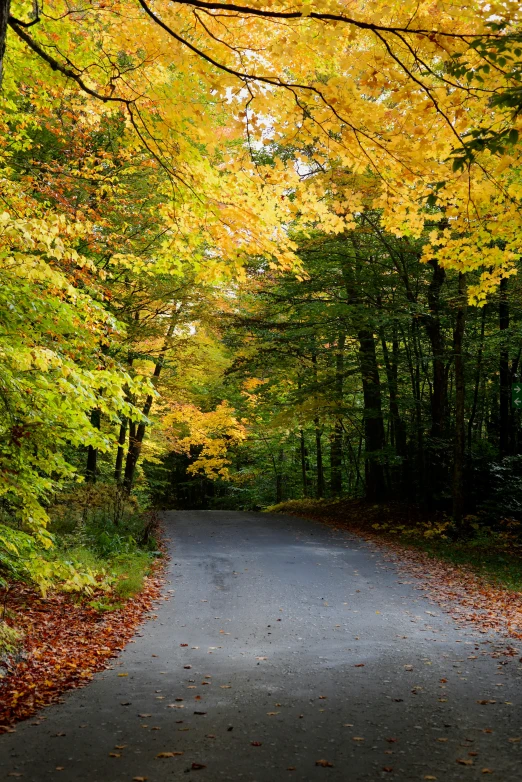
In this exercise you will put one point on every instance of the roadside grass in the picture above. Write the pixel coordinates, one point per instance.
(124, 573)
(493, 551)
(497, 566)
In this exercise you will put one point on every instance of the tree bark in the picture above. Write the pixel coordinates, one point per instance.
(336, 442)
(5, 6)
(478, 377)
(398, 429)
(373, 419)
(319, 455)
(92, 453)
(504, 372)
(279, 477)
(432, 325)
(303, 463)
(137, 433)
(460, 390)
(121, 450)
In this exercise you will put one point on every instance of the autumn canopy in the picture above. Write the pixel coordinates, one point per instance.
(264, 224)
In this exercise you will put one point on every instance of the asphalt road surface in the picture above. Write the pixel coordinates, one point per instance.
(280, 643)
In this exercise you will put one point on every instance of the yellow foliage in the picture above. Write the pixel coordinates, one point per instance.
(205, 436)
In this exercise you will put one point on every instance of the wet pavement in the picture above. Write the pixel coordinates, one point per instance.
(284, 650)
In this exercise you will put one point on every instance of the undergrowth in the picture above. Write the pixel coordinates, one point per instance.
(100, 545)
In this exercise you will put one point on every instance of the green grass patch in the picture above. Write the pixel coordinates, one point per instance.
(496, 566)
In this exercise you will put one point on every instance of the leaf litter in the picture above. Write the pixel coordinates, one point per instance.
(65, 643)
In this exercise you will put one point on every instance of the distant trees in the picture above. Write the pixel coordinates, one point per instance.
(409, 387)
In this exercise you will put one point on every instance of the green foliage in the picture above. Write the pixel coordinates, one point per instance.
(10, 640)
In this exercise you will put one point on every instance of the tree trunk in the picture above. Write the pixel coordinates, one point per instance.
(303, 463)
(137, 433)
(336, 443)
(460, 389)
(373, 420)
(505, 374)
(336, 460)
(319, 454)
(478, 378)
(92, 453)
(398, 428)
(5, 6)
(279, 477)
(121, 450)
(432, 324)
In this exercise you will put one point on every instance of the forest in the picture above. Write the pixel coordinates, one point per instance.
(252, 254)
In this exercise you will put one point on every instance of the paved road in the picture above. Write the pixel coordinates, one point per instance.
(279, 643)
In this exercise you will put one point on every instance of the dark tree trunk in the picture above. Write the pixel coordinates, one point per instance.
(137, 433)
(398, 429)
(92, 453)
(460, 390)
(478, 378)
(432, 324)
(279, 477)
(336, 443)
(319, 491)
(319, 455)
(373, 420)
(397, 425)
(4, 18)
(303, 462)
(121, 450)
(336, 460)
(505, 439)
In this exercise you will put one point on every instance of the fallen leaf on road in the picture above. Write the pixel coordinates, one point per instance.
(484, 703)
(139, 779)
(357, 738)
(201, 713)
(487, 770)
(324, 763)
(256, 743)
(272, 713)
(168, 754)
(464, 762)
(197, 766)
(115, 754)
(387, 768)
(359, 665)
